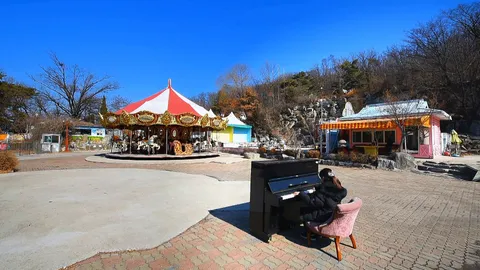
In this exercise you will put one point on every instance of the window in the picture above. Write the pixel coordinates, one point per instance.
(367, 136)
(390, 134)
(55, 139)
(379, 136)
(47, 139)
(357, 137)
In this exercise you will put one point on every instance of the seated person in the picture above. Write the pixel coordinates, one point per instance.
(321, 204)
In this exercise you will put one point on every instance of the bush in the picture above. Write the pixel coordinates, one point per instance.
(343, 156)
(8, 161)
(355, 157)
(262, 150)
(313, 154)
(360, 158)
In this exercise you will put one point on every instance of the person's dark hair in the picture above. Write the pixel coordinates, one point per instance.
(325, 174)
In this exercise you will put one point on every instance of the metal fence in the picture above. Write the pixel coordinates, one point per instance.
(22, 148)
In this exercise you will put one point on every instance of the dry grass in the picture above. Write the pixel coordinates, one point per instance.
(8, 161)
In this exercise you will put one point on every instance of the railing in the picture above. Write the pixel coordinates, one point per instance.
(22, 148)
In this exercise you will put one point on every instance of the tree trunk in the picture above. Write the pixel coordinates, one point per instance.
(402, 141)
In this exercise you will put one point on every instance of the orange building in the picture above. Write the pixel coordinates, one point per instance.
(378, 123)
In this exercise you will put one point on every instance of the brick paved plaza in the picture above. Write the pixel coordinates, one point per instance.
(408, 221)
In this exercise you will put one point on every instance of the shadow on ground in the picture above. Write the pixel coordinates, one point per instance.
(238, 215)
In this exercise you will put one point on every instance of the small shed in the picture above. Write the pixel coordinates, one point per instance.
(376, 123)
(236, 131)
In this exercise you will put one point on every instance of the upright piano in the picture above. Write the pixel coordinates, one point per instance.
(272, 185)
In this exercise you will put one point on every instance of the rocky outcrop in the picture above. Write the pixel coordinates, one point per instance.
(304, 119)
(470, 144)
(386, 164)
(403, 161)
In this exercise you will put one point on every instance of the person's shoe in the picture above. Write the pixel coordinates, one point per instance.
(304, 236)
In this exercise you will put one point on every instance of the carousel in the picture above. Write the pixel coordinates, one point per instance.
(164, 125)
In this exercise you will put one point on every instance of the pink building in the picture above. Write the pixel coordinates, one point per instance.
(376, 122)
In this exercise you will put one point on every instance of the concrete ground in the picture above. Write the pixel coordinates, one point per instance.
(408, 221)
(51, 219)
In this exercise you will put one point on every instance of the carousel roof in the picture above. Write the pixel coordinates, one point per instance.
(166, 100)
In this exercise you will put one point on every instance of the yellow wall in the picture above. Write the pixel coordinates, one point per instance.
(225, 136)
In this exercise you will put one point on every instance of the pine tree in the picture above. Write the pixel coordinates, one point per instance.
(103, 107)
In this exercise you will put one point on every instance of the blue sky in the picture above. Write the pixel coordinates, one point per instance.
(143, 43)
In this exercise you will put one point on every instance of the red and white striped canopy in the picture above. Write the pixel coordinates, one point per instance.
(166, 100)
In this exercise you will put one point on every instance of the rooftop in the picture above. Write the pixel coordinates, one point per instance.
(414, 107)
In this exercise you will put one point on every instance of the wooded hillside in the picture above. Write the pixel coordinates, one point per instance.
(439, 61)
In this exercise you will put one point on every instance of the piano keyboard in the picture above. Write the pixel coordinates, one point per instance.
(289, 196)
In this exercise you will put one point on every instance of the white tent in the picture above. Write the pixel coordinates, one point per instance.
(233, 120)
(236, 131)
(211, 114)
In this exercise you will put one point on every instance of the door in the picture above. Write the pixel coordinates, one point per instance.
(412, 138)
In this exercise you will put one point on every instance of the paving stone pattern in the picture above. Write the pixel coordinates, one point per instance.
(408, 221)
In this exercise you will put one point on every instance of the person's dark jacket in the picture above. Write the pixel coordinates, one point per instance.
(323, 201)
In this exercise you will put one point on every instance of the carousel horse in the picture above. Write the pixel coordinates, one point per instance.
(177, 147)
(123, 146)
(204, 145)
(141, 145)
(153, 145)
(148, 145)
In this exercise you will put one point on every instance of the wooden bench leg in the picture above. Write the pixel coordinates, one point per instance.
(309, 237)
(354, 243)
(337, 247)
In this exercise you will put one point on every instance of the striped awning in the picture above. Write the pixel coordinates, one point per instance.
(377, 123)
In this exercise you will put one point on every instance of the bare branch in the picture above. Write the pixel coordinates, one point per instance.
(72, 90)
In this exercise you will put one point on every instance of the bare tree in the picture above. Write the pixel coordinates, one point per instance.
(70, 89)
(236, 80)
(201, 99)
(37, 125)
(446, 54)
(326, 78)
(407, 114)
(118, 103)
(267, 84)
